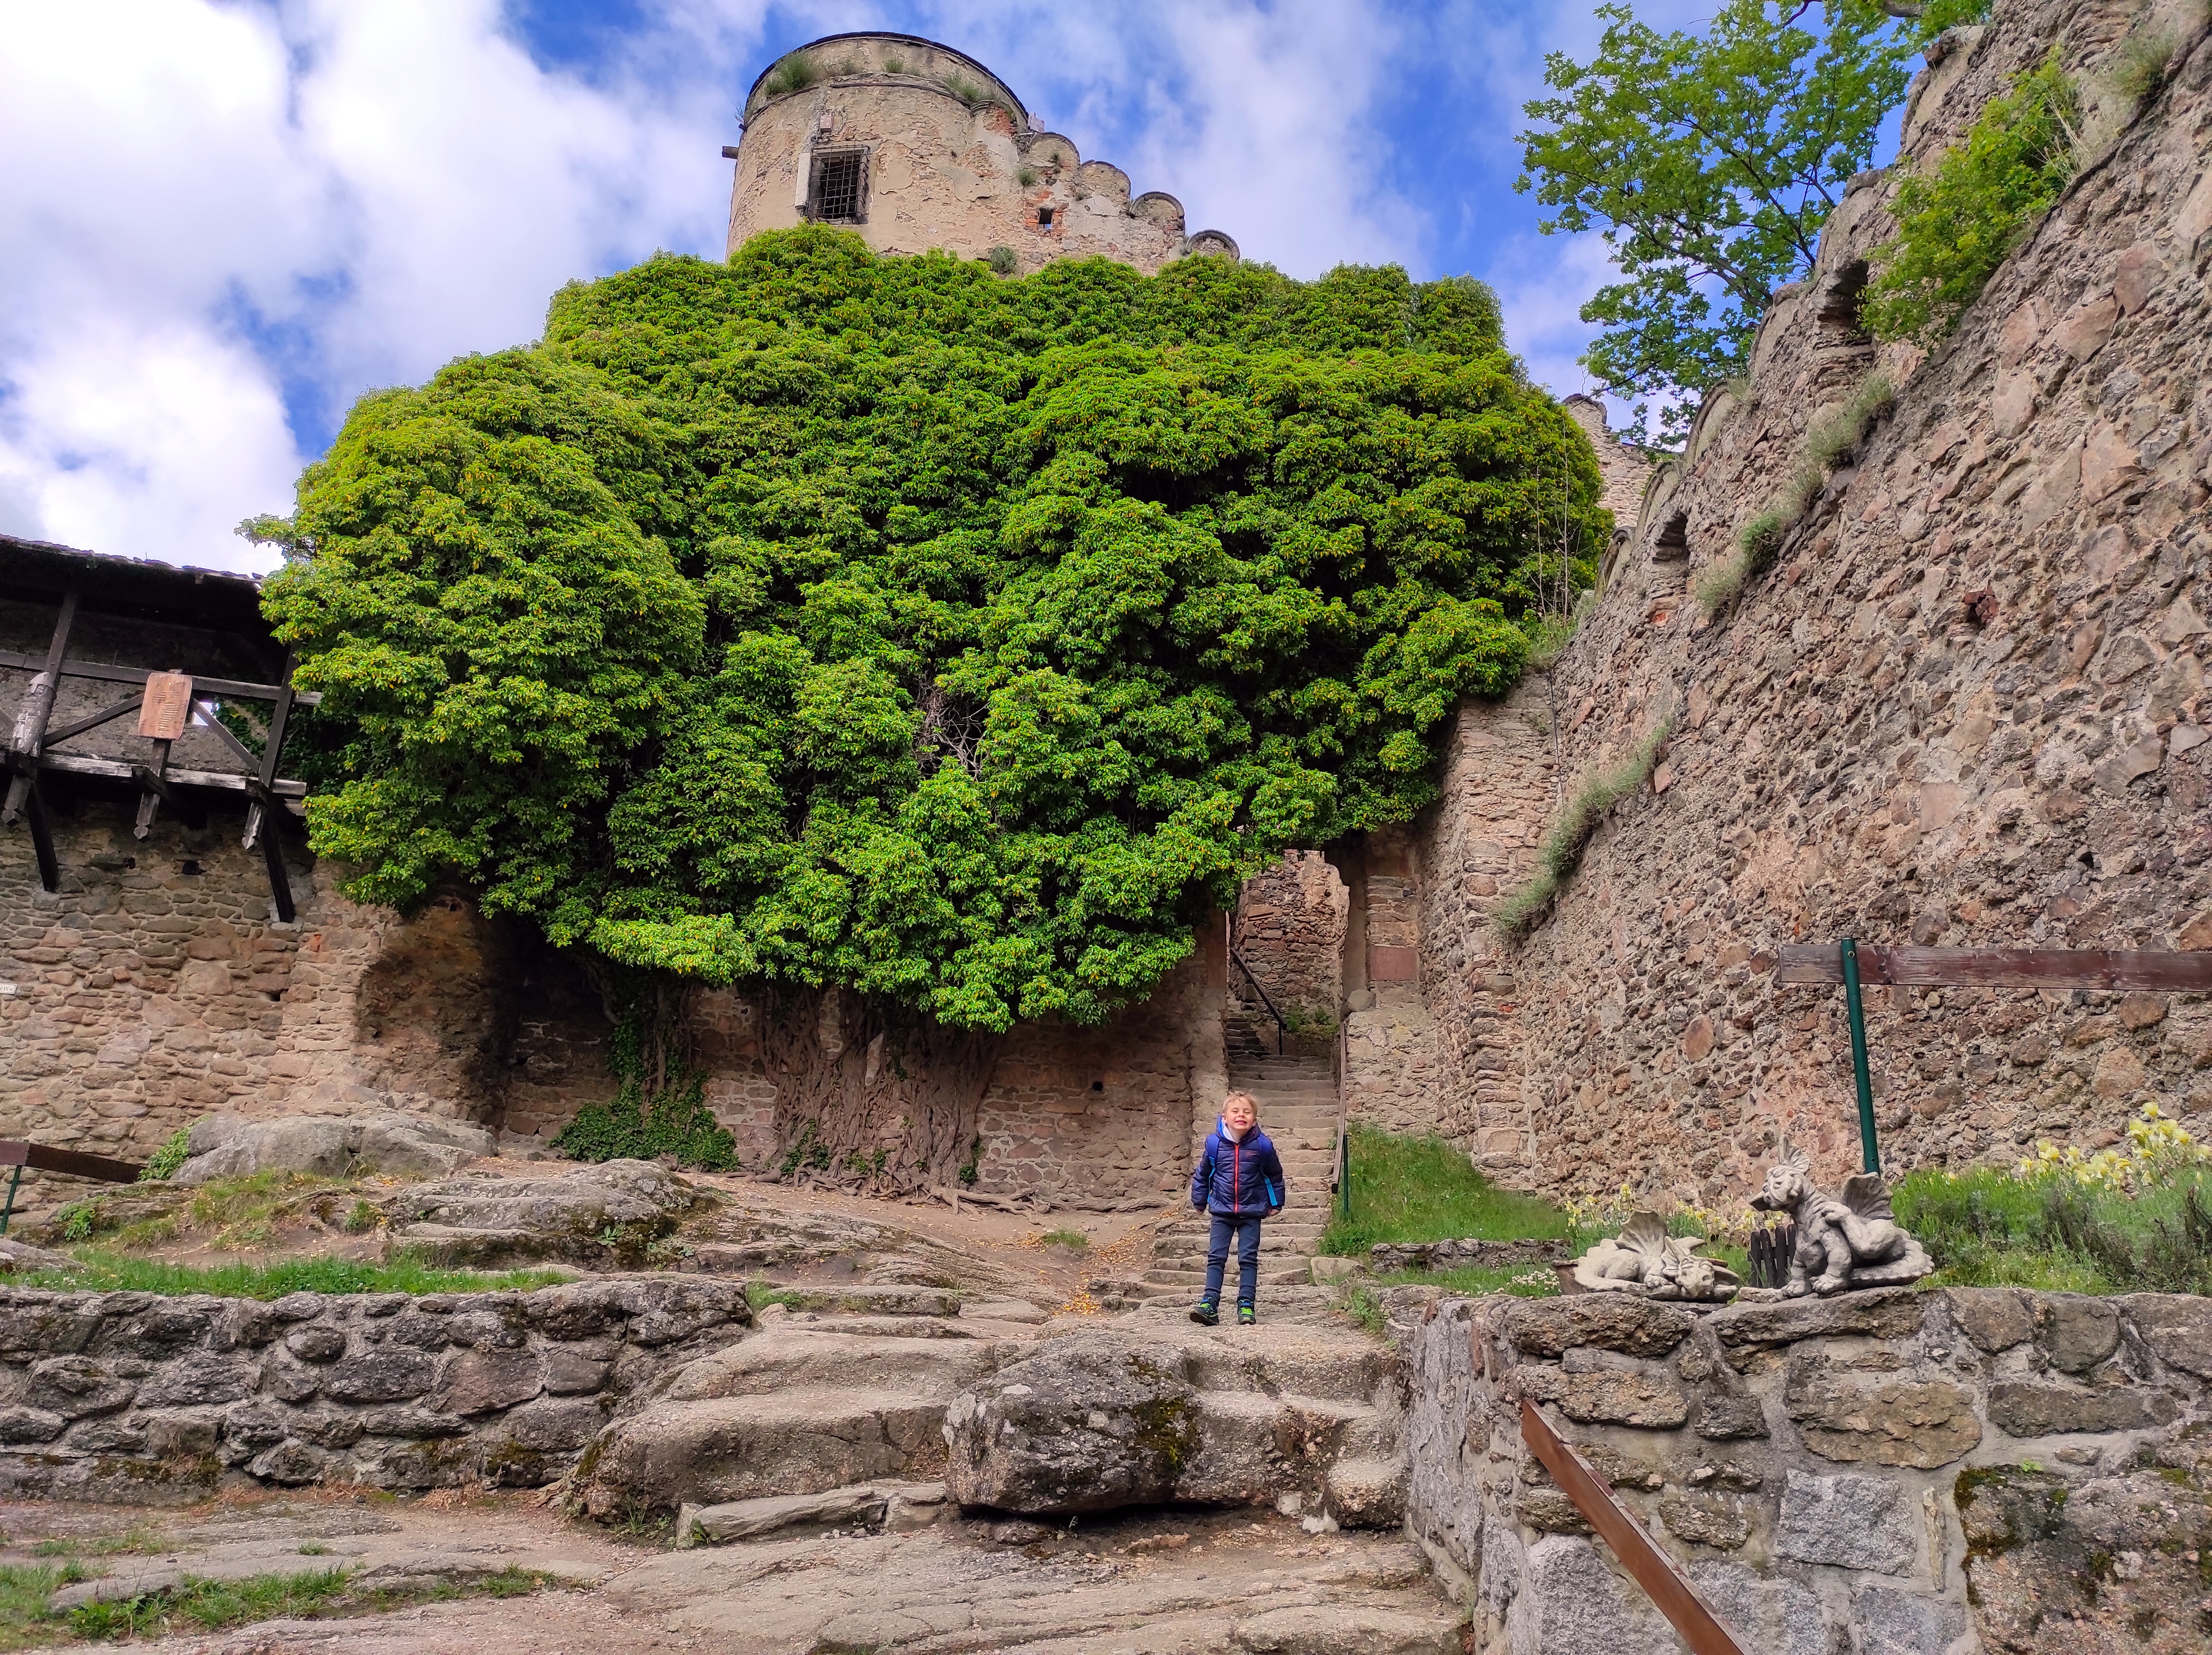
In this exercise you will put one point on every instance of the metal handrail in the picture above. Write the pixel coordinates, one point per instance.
(1262, 993)
(1343, 1160)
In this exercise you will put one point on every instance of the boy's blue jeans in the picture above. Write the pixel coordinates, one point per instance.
(1244, 1228)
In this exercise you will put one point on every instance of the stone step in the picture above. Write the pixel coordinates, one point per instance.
(1190, 1280)
(806, 1440)
(797, 1358)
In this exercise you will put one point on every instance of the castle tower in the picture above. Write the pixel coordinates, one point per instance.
(917, 146)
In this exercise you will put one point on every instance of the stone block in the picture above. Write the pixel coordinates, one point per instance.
(2026, 1407)
(316, 1343)
(1887, 1313)
(1772, 1616)
(382, 1374)
(1845, 1416)
(1571, 1603)
(76, 1387)
(1731, 1418)
(2076, 1332)
(2177, 1328)
(1995, 1319)
(1713, 1520)
(200, 1381)
(481, 1381)
(1597, 1321)
(19, 1424)
(1887, 1621)
(1650, 1401)
(1849, 1522)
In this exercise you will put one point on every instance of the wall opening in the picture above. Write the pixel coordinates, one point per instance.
(1673, 541)
(1840, 304)
(1044, 218)
(840, 178)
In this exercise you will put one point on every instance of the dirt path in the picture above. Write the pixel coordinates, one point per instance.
(1184, 1581)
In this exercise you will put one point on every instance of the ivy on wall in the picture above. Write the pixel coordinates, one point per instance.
(837, 619)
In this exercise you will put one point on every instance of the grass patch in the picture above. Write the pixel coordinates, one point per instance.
(174, 1152)
(211, 1605)
(24, 1589)
(1548, 638)
(101, 1271)
(792, 74)
(1987, 1226)
(1830, 442)
(1564, 842)
(759, 1295)
(1075, 1240)
(1422, 1189)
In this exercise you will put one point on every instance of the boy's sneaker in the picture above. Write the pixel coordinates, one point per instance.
(1204, 1313)
(1246, 1316)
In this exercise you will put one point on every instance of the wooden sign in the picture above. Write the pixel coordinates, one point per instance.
(2159, 971)
(168, 707)
(1659, 1574)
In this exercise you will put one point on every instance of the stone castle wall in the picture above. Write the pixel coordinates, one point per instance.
(950, 161)
(1888, 1470)
(137, 1399)
(154, 987)
(1289, 930)
(1967, 707)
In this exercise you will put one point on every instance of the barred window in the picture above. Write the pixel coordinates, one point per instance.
(837, 186)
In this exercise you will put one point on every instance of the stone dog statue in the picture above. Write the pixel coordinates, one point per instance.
(1854, 1241)
(1648, 1261)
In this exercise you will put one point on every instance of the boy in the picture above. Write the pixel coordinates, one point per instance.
(1239, 1180)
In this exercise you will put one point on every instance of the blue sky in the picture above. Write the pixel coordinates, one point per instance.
(224, 220)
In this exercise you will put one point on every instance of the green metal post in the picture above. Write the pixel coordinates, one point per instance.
(9, 1212)
(1869, 1151)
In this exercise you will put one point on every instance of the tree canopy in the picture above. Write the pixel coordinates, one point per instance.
(1709, 163)
(832, 619)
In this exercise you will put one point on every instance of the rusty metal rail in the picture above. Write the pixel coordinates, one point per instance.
(1659, 1574)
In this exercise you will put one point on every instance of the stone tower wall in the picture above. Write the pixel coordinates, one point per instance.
(951, 162)
(1966, 707)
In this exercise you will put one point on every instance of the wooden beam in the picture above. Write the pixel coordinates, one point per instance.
(1658, 1574)
(238, 749)
(83, 764)
(236, 688)
(42, 836)
(38, 703)
(45, 1158)
(157, 784)
(106, 715)
(2158, 972)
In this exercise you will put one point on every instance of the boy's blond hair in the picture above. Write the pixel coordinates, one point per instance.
(1247, 1099)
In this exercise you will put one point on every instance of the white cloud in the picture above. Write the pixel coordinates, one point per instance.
(226, 202)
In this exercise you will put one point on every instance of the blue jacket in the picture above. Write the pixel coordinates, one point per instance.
(1244, 1177)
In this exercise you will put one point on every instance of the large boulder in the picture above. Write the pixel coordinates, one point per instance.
(229, 1146)
(1088, 1424)
(610, 1213)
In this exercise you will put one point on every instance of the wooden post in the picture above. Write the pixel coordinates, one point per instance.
(257, 825)
(23, 745)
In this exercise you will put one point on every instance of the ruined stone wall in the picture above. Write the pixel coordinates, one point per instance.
(137, 1399)
(1967, 707)
(1289, 930)
(947, 150)
(154, 987)
(1889, 1470)
(1106, 1116)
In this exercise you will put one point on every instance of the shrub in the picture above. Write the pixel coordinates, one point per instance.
(632, 1127)
(1026, 177)
(172, 1154)
(2140, 64)
(1003, 261)
(1561, 851)
(792, 74)
(1957, 223)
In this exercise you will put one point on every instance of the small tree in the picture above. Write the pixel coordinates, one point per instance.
(1709, 163)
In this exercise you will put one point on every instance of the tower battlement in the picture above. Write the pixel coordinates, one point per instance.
(916, 146)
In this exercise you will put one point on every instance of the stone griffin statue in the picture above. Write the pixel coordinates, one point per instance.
(1647, 1260)
(1851, 1241)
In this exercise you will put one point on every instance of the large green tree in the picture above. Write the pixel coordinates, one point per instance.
(827, 618)
(1707, 162)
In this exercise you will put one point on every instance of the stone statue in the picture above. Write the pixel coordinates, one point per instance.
(1647, 1260)
(1852, 1242)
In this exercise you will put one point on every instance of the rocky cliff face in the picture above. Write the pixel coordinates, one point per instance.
(1967, 707)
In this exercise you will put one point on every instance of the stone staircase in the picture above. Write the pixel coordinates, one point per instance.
(1298, 1110)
